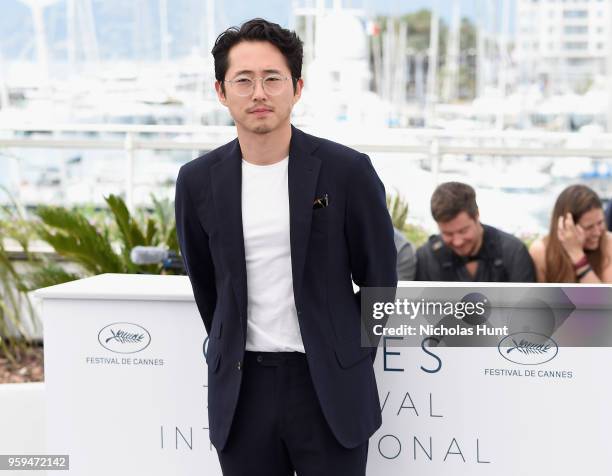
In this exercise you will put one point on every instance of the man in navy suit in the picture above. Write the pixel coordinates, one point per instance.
(273, 227)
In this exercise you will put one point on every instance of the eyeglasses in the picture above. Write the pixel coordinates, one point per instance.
(273, 84)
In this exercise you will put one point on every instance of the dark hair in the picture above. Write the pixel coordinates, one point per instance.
(451, 198)
(577, 200)
(259, 29)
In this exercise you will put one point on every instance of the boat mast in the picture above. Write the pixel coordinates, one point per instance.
(432, 67)
(609, 70)
(452, 55)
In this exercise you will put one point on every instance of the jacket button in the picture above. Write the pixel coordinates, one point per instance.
(239, 365)
(259, 359)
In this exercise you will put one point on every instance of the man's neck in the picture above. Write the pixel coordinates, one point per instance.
(265, 149)
(478, 246)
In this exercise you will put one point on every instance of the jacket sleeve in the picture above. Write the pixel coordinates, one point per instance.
(406, 262)
(521, 268)
(369, 232)
(193, 243)
(422, 272)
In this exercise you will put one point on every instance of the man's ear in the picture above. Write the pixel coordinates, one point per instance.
(220, 93)
(298, 90)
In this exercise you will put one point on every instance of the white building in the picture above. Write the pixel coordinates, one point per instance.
(337, 68)
(563, 44)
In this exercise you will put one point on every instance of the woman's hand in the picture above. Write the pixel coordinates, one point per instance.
(571, 237)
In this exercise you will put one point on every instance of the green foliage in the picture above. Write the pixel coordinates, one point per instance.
(48, 274)
(97, 241)
(130, 231)
(161, 226)
(92, 246)
(468, 35)
(73, 237)
(528, 238)
(418, 26)
(163, 212)
(418, 39)
(13, 300)
(416, 234)
(398, 209)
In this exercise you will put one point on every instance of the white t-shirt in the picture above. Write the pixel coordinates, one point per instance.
(272, 324)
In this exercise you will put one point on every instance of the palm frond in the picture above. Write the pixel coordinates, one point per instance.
(48, 274)
(73, 237)
(152, 231)
(129, 230)
(171, 239)
(12, 302)
(163, 213)
(398, 209)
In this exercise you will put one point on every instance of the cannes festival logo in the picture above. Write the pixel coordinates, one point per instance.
(124, 337)
(528, 348)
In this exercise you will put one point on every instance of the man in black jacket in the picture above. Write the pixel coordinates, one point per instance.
(465, 249)
(272, 228)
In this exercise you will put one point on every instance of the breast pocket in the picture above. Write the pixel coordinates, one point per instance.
(320, 219)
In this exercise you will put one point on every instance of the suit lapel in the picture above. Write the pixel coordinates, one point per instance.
(303, 175)
(227, 197)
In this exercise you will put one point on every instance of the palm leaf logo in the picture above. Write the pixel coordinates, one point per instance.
(124, 337)
(526, 347)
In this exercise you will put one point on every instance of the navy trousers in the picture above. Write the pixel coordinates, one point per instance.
(279, 429)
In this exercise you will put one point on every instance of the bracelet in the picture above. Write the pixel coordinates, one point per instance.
(584, 273)
(580, 263)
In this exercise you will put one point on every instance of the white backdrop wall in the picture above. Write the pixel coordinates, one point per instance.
(126, 395)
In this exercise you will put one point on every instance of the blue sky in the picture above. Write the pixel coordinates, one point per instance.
(237, 11)
(118, 37)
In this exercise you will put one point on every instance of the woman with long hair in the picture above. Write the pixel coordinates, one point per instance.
(578, 247)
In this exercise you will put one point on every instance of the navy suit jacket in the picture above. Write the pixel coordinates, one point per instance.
(352, 237)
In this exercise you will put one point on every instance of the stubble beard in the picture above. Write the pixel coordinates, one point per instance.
(262, 129)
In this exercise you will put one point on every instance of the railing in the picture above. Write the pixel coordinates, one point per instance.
(414, 143)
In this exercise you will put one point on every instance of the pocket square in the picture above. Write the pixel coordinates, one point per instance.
(320, 202)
